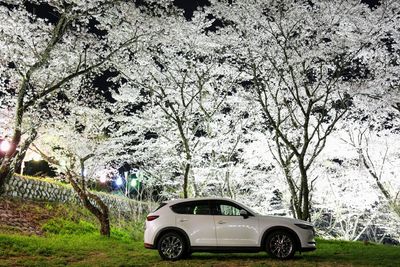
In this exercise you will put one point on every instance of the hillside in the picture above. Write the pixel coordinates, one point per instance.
(24, 217)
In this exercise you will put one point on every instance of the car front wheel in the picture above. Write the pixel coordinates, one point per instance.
(171, 246)
(280, 245)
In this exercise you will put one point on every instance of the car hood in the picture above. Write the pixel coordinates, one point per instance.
(282, 219)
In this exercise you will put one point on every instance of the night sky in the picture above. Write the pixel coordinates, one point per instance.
(43, 10)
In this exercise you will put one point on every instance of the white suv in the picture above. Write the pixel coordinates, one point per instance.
(179, 227)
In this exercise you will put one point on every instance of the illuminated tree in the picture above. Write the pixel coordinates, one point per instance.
(380, 161)
(184, 85)
(79, 148)
(43, 60)
(304, 61)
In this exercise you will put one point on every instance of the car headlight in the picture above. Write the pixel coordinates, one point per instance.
(305, 226)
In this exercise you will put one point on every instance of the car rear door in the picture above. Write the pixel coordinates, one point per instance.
(232, 229)
(194, 217)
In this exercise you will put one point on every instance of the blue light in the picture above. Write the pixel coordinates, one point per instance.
(119, 181)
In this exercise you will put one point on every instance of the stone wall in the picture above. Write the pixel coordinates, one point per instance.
(36, 189)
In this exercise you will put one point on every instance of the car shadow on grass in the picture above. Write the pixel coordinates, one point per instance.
(224, 256)
(240, 258)
(233, 260)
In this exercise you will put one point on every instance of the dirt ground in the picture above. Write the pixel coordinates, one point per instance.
(23, 216)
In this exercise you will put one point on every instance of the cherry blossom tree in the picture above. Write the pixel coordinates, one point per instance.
(78, 147)
(254, 109)
(304, 61)
(41, 58)
(347, 201)
(184, 85)
(380, 160)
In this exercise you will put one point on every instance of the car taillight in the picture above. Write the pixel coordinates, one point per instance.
(152, 217)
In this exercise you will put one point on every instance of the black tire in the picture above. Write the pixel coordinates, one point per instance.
(280, 245)
(172, 246)
(187, 255)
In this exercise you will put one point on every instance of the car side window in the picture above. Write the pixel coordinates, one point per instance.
(201, 209)
(226, 208)
(194, 208)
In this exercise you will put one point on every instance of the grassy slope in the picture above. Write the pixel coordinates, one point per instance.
(92, 250)
(71, 238)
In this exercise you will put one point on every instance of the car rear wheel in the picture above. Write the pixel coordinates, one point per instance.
(171, 246)
(280, 245)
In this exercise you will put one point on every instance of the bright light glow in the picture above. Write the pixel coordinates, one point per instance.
(5, 146)
(36, 157)
(133, 182)
(103, 178)
(119, 181)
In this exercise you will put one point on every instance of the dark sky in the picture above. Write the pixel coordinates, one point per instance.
(371, 3)
(190, 6)
(43, 10)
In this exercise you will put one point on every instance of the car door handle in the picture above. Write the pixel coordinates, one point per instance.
(222, 222)
(183, 220)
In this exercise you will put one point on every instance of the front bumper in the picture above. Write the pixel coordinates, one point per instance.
(311, 246)
(308, 249)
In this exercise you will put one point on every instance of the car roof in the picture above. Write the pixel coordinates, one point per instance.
(181, 200)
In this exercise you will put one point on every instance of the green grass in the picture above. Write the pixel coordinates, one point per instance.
(66, 227)
(89, 249)
(71, 238)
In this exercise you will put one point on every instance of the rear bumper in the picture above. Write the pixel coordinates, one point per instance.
(149, 246)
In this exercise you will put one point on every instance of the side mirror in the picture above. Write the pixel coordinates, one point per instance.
(244, 213)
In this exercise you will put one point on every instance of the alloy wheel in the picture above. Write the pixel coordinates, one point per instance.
(171, 247)
(281, 245)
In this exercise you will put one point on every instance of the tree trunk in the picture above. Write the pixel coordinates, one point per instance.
(5, 169)
(195, 187)
(304, 195)
(186, 180)
(294, 199)
(103, 216)
(20, 155)
(228, 185)
(4, 173)
(100, 211)
(105, 226)
(299, 196)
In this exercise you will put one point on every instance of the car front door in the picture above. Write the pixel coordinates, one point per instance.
(194, 217)
(232, 229)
